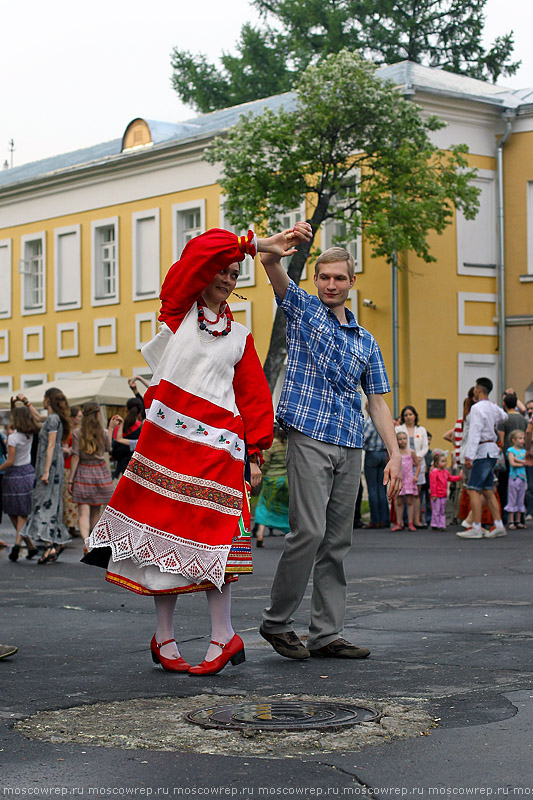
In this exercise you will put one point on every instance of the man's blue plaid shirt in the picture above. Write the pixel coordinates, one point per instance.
(326, 361)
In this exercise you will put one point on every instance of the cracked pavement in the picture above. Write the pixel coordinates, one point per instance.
(448, 622)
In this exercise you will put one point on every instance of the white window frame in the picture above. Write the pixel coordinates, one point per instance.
(7, 243)
(144, 372)
(34, 330)
(484, 176)
(139, 319)
(67, 231)
(178, 212)
(529, 267)
(295, 215)
(152, 213)
(4, 335)
(247, 269)
(245, 306)
(27, 311)
(8, 381)
(32, 379)
(63, 352)
(483, 359)
(327, 230)
(96, 226)
(116, 371)
(61, 376)
(101, 349)
(474, 297)
(353, 296)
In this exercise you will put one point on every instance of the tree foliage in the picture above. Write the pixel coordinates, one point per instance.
(296, 33)
(346, 125)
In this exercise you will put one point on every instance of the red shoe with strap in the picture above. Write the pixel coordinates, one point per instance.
(169, 664)
(231, 651)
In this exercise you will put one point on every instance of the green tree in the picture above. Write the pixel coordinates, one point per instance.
(296, 33)
(346, 125)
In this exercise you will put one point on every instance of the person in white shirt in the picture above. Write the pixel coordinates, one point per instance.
(18, 477)
(481, 454)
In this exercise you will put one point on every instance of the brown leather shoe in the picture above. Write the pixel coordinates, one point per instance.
(341, 648)
(286, 644)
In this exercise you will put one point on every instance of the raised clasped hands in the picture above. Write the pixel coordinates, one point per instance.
(284, 244)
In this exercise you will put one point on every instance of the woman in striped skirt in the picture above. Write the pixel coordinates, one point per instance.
(90, 481)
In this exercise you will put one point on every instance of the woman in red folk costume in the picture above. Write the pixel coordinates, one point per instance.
(179, 518)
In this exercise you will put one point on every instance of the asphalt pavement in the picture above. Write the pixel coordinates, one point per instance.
(448, 621)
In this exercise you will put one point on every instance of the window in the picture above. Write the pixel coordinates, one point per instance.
(104, 274)
(188, 221)
(247, 271)
(5, 278)
(27, 381)
(6, 383)
(477, 243)
(145, 254)
(289, 220)
(529, 275)
(67, 268)
(334, 232)
(32, 267)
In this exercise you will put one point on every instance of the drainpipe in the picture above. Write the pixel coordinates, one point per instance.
(508, 117)
(395, 336)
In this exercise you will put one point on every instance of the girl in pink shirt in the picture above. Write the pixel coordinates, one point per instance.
(439, 477)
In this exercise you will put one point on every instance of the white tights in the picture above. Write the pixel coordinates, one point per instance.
(221, 627)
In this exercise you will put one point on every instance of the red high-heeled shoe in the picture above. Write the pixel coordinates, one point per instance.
(232, 651)
(169, 664)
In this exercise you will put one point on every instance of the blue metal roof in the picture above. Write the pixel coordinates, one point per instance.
(405, 74)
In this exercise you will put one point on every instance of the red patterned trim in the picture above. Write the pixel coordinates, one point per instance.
(207, 494)
(124, 583)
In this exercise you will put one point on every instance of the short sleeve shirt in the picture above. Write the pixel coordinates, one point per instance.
(23, 448)
(326, 362)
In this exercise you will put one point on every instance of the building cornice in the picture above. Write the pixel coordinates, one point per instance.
(121, 165)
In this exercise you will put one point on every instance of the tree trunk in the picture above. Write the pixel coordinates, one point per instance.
(277, 349)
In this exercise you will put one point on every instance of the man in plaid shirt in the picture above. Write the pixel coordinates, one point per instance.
(329, 354)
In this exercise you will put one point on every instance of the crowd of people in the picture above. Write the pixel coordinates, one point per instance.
(439, 487)
(54, 476)
(176, 513)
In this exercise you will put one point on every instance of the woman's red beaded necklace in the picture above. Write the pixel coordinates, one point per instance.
(203, 322)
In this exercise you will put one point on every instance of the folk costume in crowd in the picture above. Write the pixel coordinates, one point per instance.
(179, 518)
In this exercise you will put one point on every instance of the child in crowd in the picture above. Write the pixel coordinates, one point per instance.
(410, 472)
(425, 497)
(516, 490)
(18, 477)
(90, 481)
(439, 477)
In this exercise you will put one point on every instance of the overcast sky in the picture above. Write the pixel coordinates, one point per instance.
(75, 74)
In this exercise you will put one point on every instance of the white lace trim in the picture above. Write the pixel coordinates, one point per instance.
(145, 546)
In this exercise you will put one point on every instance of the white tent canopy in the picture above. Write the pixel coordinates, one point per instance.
(106, 389)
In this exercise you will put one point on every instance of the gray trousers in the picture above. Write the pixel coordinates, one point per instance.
(323, 485)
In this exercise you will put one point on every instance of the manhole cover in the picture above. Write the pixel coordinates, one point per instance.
(281, 715)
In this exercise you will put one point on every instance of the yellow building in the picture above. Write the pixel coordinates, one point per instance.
(87, 237)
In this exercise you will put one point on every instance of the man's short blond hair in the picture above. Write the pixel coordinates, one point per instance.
(333, 254)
